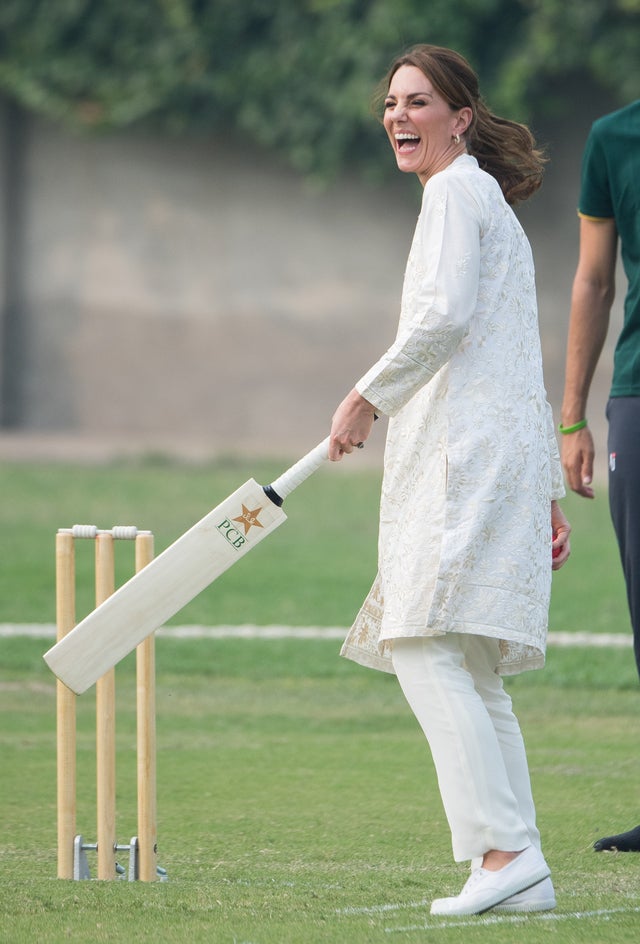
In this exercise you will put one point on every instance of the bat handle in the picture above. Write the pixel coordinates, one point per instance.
(296, 475)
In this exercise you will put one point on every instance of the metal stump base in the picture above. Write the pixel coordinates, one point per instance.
(82, 871)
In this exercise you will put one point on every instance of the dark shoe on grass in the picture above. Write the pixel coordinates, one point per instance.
(623, 842)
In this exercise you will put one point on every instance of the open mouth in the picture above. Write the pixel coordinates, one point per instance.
(405, 141)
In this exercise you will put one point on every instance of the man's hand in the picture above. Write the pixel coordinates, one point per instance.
(577, 459)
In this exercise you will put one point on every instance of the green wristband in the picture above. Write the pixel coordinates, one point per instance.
(572, 429)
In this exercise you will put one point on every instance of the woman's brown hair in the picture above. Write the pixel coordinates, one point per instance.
(505, 149)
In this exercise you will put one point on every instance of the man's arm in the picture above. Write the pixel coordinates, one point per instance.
(591, 300)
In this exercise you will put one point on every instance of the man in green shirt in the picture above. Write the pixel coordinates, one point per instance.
(609, 210)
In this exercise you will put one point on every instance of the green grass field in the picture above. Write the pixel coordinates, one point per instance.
(297, 800)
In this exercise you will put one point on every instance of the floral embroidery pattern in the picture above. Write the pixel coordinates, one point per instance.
(471, 462)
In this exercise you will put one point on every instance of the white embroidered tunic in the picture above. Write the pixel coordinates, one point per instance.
(471, 460)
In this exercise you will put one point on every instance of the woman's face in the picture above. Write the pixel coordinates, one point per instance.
(421, 125)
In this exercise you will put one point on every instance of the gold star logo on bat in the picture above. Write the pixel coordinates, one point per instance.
(249, 518)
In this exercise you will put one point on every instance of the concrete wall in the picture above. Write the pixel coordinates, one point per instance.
(195, 295)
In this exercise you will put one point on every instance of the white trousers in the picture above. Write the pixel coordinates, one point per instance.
(459, 701)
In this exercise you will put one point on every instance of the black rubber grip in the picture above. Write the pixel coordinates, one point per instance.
(271, 493)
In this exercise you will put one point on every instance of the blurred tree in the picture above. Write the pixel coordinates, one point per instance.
(597, 41)
(296, 76)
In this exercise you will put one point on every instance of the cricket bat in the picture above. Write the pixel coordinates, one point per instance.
(176, 576)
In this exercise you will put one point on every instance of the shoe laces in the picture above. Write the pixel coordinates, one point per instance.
(476, 876)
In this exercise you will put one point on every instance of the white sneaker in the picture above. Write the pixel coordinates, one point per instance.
(540, 897)
(485, 889)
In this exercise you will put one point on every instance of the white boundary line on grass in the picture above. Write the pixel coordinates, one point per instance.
(480, 921)
(476, 920)
(382, 909)
(48, 631)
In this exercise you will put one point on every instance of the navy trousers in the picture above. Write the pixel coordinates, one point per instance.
(623, 414)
